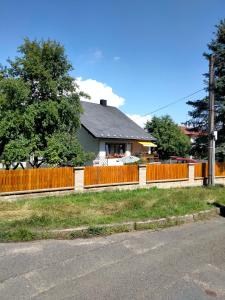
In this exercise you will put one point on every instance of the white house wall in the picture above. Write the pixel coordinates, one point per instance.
(97, 146)
(102, 152)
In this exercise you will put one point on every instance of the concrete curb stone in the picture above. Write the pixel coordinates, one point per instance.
(102, 229)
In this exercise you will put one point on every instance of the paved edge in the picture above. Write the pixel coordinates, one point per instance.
(104, 229)
(107, 229)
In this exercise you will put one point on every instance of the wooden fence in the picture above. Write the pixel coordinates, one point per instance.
(35, 179)
(110, 175)
(165, 172)
(87, 177)
(201, 170)
(220, 170)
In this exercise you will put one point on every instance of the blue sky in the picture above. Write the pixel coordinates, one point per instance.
(149, 52)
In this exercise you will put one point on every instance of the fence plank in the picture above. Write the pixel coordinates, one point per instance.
(110, 174)
(220, 169)
(35, 179)
(201, 170)
(167, 172)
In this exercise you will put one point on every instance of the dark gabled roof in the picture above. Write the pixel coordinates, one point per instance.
(109, 122)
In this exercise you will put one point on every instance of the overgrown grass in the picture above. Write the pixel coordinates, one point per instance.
(20, 219)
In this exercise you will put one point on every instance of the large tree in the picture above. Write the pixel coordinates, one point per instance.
(170, 140)
(199, 112)
(39, 107)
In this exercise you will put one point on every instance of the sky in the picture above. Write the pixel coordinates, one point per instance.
(138, 54)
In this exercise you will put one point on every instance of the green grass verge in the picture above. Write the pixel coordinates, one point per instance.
(21, 219)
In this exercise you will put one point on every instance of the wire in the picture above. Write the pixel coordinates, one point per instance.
(174, 102)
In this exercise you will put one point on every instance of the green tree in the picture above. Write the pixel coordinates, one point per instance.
(39, 107)
(199, 112)
(170, 140)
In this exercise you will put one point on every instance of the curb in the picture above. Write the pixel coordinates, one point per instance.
(104, 229)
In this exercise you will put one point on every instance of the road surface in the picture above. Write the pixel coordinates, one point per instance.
(184, 262)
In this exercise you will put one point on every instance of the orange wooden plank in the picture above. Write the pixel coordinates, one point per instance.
(110, 174)
(32, 179)
(220, 169)
(201, 170)
(157, 172)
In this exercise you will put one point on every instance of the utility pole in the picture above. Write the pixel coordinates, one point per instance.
(211, 126)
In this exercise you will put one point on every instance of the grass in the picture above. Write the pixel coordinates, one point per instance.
(20, 220)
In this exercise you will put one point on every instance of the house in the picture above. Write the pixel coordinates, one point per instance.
(111, 135)
(191, 133)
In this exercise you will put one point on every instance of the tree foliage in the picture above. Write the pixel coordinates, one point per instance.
(39, 107)
(199, 112)
(170, 140)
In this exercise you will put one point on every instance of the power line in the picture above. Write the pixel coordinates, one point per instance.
(174, 102)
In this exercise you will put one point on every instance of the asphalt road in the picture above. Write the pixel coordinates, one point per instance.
(185, 262)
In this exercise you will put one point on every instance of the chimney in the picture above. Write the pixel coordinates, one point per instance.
(103, 102)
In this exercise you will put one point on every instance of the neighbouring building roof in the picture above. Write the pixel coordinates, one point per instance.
(190, 132)
(104, 121)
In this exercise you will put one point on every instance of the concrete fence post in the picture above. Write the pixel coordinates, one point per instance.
(191, 173)
(142, 175)
(78, 179)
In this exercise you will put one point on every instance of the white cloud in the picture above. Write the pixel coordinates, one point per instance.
(92, 56)
(98, 90)
(116, 58)
(98, 54)
(140, 120)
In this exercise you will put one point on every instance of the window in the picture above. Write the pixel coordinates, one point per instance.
(115, 150)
